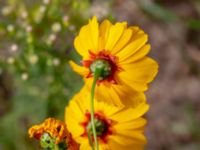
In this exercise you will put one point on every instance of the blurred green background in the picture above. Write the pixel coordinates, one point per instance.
(36, 82)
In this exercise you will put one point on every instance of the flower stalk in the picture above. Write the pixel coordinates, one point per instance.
(96, 75)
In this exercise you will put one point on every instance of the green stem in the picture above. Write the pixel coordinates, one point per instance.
(90, 140)
(56, 147)
(96, 76)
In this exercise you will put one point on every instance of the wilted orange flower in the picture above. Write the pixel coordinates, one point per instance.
(120, 52)
(56, 132)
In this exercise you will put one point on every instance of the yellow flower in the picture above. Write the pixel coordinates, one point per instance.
(117, 128)
(122, 51)
(53, 132)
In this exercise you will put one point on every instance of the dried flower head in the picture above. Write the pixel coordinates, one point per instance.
(53, 133)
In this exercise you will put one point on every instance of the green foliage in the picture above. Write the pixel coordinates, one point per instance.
(158, 11)
(37, 38)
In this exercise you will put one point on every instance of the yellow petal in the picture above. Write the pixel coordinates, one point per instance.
(82, 99)
(94, 32)
(117, 146)
(130, 125)
(110, 109)
(136, 99)
(128, 138)
(104, 146)
(103, 33)
(115, 33)
(88, 38)
(132, 48)
(135, 29)
(139, 73)
(110, 97)
(76, 110)
(138, 32)
(142, 52)
(130, 97)
(131, 113)
(73, 122)
(124, 39)
(81, 47)
(127, 147)
(85, 146)
(79, 69)
(104, 29)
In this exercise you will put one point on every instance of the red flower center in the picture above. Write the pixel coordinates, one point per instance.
(109, 63)
(102, 124)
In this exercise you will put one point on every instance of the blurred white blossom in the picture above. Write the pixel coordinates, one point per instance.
(29, 28)
(46, 2)
(24, 14)
(10, 60)
(51, 39)
(42, 9)
(72, 27)
(100, 9)
(24, 76)
(14, 47)
(6, 10)
(56, 62)
(65, 20)
(10, 28)
(56, 27)
(33, 59)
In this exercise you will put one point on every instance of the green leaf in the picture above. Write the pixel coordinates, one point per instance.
(158, 11)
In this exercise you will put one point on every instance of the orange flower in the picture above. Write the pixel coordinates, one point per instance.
(54, 130)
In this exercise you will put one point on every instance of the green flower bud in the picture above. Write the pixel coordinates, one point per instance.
(100, 127)
(104, 67)
(47, 142)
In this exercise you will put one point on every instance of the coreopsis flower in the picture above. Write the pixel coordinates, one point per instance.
(117, 128)
(120, 52)
(53, 133)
